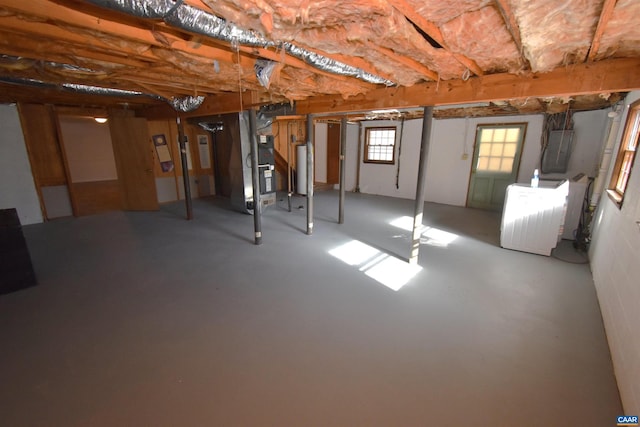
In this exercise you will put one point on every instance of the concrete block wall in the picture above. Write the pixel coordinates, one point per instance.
(615, 263)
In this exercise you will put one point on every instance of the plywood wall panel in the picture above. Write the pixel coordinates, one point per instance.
(39, 128)
(97, 196)
(134, 161)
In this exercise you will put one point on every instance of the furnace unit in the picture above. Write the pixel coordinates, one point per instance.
(240, 168)
(267, 169)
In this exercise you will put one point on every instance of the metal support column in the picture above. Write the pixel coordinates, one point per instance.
(255, 178)
(419, 203)
(182, 140)
(343, 150)
(359, 160)
(309, 174)
(289, 168)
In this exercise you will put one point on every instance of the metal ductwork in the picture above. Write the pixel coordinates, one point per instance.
(331, 66)
(195, 20)
(77, 88)
(186, 104)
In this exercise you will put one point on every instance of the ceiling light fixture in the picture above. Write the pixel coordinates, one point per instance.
(100, 119)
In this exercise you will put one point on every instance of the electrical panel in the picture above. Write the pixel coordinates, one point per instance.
(555, 158)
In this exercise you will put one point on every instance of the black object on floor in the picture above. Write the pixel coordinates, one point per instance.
(16, 271)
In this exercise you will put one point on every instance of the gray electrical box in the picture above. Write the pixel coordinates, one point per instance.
(555, 158)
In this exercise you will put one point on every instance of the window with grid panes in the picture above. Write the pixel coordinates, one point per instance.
(626, 154)
(498, 147)
(380, 145)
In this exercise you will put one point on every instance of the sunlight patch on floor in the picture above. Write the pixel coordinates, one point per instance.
(428, 235)
(384, 268)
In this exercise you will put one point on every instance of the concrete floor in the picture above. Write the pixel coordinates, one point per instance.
(145, 319)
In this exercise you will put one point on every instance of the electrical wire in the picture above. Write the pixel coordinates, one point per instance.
(583, 234)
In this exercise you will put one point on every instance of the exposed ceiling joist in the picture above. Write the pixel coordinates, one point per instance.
(40, 37)
(60, 19)
(605, 16)
(387, 49)
(619, 75)
(434, 32)
(408, 62)
(512, 26)
(72, 26)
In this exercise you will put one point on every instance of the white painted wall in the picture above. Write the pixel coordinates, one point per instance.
(451, 154)
(614, 253)
(351, 158)
(17, 188)
(166, 189)
(381, 179)
(56, 201)
(89, 150)
(320, 152)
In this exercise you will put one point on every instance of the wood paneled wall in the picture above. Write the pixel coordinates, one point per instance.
(97, 196)
(169, 129)
(39, 128)
(283, 129)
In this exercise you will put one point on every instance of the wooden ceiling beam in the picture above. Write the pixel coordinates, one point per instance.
(605, 16)
(185, 86)
(408, 62)
(434, 32)
(53, 15)
(616, 75)
(253, 52)
(60, 51)
(64, 52)
(14, 93)
(46, 12)
(212, 105)
(182, 84)
(295, 62)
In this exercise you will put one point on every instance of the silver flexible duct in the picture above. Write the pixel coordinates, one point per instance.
(327, 64)
(198, 21)
(72, 68)
(187, 104)
(95, 90)
(27, 82)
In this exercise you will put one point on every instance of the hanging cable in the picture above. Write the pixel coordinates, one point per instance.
(399, 152)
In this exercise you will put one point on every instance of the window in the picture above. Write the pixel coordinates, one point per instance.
(380, 145)
(626, 154)
(498, 147)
